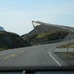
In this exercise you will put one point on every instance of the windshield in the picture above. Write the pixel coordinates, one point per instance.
(36, 33)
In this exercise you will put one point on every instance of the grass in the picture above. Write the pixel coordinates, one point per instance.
(69, 46)
(41, 35)
(1, 49)
(68, 55)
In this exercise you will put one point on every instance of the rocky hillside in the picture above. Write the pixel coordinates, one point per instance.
(1, 29)
(41, 29)
(46, 32)
(10, 40)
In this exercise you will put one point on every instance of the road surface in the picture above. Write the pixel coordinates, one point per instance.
(34, 56)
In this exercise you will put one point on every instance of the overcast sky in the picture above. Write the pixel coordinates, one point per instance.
(17, 15)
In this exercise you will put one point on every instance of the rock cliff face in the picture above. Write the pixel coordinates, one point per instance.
(1, 29)
(10, 40)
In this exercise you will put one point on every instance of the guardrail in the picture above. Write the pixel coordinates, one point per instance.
(52, 41)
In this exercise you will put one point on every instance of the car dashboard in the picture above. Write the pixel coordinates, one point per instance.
(54, 70)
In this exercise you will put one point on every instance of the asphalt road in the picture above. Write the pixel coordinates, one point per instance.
(34, 56)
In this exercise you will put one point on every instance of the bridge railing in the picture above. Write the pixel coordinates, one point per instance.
(67, 50)
(70, 51)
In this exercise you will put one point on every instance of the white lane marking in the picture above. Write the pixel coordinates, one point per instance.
(54, 59)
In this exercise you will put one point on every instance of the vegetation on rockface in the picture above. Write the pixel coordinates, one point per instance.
(41, 35)
(48, 36)
(10, 40)
(56, 33)
(1, 49)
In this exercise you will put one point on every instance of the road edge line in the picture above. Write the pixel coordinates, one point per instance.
(54, 59)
